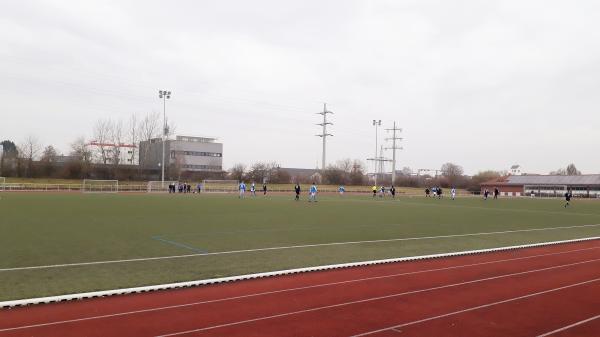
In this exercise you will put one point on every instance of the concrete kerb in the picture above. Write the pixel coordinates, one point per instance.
(123, 291)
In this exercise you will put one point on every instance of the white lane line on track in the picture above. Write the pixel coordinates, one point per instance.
(569, 326)
(371, 299)
(78, 264)
(479, 307)
(293, 289)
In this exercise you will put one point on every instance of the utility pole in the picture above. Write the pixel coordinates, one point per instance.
(324, 135)
(165, 95)
(394, 147)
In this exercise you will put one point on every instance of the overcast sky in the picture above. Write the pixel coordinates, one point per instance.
(484, 84)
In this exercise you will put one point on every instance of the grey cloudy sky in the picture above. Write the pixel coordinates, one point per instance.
(484, 84)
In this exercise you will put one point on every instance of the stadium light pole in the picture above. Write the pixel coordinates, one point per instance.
(164, 95)
(376, 124)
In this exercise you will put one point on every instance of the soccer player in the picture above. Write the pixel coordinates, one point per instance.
(242, 189)
(496, 192)
(568, 197)
(374, 189)
(453, 192)
(439, 192)
(427, 192)
(485, 194)
(313, 193)
(264, 189)
(341, 189)
(393, 191)
(297, 190)
(253, 189)
(382, 191)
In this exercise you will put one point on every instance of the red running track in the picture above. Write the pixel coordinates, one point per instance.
(549, 291)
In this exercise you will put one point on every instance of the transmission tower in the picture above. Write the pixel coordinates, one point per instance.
(324, 135)
(394, 147)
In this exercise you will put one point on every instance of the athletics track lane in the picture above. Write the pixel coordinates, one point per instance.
(353, 301)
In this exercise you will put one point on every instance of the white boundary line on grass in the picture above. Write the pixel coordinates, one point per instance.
(78, 264)
(104, 293)
(286, 290)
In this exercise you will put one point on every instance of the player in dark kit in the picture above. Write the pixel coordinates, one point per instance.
(297, 190)
(568, 197)
(393, 191)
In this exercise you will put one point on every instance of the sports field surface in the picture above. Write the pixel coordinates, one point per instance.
(53, 244)
(542, 291)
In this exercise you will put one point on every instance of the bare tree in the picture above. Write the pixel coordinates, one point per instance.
(29, 150)
(452, 170)
(48, 159)
(453, 174)
(572, 170)
(170, 129)
(79, 168)
(80, 150)
(102, 134)
(357, 176)
(133, 135)
(116, 135)
(149, 127)
(237, 172)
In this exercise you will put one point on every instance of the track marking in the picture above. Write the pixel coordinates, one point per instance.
(291, 290)
(479, 307)
(569, 326)
(77, 264)
(371, 299)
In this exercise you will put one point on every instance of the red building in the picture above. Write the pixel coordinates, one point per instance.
(584, 186)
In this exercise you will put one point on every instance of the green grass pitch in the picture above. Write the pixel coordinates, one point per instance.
(40, 229)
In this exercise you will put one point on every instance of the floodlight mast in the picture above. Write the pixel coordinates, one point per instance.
(164, 95)
(376, 124)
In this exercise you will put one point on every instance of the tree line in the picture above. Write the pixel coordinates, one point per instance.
(32, 160)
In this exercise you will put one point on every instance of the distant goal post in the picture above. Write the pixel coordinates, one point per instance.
(100, 186)
(160, 186)
(220, 186)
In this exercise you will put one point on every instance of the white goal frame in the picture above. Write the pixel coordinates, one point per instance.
(220, 186)
(157, 186)
(105, 186)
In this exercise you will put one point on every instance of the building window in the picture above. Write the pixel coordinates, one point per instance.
(202, 167)
(196, 154)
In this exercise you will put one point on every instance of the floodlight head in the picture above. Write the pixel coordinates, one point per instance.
(160, 96)
(168, 93)
(168, 96)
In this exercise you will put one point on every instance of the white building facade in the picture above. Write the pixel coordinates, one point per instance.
(186, 153)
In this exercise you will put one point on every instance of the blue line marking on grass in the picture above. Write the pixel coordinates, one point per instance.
(179, 244)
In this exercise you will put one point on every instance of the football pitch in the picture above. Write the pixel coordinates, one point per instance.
(53, 244)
